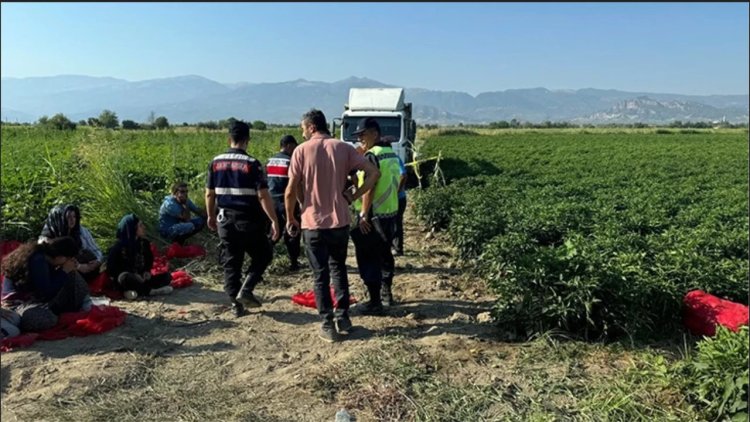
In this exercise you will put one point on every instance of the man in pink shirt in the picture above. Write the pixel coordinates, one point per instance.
(317, 179)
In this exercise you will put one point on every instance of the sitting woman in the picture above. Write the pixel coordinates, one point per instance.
(65, 220)
(41, 282)
(130, 260)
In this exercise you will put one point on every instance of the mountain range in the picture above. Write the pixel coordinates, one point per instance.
(195, 98)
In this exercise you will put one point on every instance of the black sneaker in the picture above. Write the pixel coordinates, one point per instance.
(328, 333)
(248, 300)
(343, 325)
(238, 310)
(368, 308)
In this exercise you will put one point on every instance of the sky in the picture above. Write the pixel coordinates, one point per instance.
(682, 48)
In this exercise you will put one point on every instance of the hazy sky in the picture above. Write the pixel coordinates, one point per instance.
(685, 48)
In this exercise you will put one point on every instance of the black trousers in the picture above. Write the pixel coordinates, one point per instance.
(373, 251)
(292, 243)
(132, 281)
(326, 251)
(239, 234)
(398, 237)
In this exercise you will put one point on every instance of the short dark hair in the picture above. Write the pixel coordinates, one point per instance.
(317, 119)
(239, 131)
(178, 185)
(287, 140)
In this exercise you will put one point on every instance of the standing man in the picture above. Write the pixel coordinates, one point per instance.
(237, 187)
(398, 238)
(278, 179)
(376, 219)
(317, 179)
(175, 223)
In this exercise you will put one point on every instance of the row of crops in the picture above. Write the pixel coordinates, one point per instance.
(108, 173)
(598, 234)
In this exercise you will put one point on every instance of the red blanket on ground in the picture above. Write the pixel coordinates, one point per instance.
(98, 320)
(103, 285)
(703, 312)
(308, 299)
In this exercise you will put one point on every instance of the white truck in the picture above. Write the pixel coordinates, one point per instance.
(387, 106)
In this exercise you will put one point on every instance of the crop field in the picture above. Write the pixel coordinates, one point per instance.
(595, 233)
(580, 244)
(110, 173)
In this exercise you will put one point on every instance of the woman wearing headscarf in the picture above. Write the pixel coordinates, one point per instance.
(40, 282)
(65, 220)
(129, 261)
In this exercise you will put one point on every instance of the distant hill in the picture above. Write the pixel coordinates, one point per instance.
(195, 98)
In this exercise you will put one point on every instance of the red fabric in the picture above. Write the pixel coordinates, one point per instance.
(103, 285)
(161, 265)
(308, 299)
(161, 262)
(703, 311)
(7, 247)
(276, 170)
(191, 251)
(181, 279)
(155, 251)
(98, 320)
(23, 340)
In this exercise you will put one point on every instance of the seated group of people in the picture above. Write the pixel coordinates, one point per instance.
(47, 277)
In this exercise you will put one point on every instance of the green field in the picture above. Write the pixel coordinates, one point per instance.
(109, 173)
(587, 239)
(597, 233)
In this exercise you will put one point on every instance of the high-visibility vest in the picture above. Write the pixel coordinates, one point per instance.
(385, 200)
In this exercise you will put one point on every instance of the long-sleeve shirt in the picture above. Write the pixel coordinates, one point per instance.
(119, 261)
(43, 284)
(170, 212)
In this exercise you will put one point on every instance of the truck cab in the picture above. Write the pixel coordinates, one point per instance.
(393, 115)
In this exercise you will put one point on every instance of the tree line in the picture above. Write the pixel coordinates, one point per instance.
(108, 119)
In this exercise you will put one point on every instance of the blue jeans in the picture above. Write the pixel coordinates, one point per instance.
(181, 231)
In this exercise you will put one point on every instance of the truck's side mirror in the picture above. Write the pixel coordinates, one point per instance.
(335, 122)
(333, 126)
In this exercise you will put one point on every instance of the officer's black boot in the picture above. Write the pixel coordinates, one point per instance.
(386, 294)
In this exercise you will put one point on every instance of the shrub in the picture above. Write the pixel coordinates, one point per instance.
(718, 375)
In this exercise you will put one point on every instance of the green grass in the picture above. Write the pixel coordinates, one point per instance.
(107, 173)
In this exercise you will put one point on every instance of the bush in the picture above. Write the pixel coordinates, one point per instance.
(457, 132)
(259, 125)
(130, 124)
(718, 375)
(57, 122)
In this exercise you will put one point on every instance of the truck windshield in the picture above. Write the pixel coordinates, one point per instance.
(390, 128)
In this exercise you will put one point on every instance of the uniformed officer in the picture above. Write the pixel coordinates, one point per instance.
(236, 198)
(376, 219)
(278, 178)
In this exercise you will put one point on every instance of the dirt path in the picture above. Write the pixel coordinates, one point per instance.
(185, 357)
